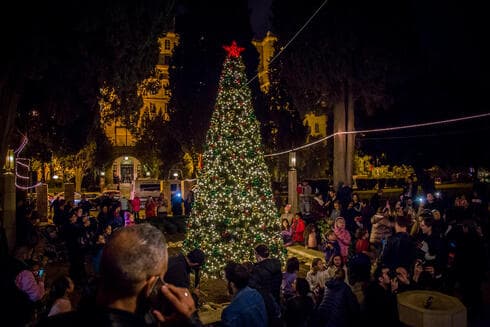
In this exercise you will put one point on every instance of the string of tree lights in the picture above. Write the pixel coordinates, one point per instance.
(233, 210)
(22, 168)
(379, 130)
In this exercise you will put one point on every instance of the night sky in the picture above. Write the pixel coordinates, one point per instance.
(451, 79)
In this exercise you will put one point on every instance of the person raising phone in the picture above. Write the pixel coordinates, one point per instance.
(133, 262)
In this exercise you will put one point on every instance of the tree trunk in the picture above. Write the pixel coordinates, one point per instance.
(351, 140)
(9, 98)
(78, 179)
(339, 143)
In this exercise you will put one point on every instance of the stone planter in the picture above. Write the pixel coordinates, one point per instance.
(442, 311)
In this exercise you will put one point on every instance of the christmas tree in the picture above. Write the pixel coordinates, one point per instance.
(233, 211)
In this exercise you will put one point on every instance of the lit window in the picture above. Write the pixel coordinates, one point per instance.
(167, 44)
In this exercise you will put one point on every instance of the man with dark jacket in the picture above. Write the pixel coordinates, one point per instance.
(339, 306)
(266, 273)
(247, 307)
(380, 303)
(400, 249)
(180, 268)
(266, 278)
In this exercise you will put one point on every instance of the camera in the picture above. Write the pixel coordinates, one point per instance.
(392, 274)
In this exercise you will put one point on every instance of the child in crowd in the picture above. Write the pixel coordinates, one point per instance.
(288, 278)
(343, 236)
(337, 262)
(317, 277)
(331, 246)
(128, 219)
(362, 240)
(298, 228)
(310, 237)
(286, 233)
(59, 296)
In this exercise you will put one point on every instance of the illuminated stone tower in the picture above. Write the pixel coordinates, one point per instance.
(153, 103)
(125, 168)
(265, 47)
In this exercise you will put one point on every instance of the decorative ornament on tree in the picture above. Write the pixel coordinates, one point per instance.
(233, 50)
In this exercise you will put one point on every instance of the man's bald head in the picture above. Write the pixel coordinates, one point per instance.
(132, 255)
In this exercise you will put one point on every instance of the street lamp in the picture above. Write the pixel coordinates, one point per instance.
(292, 183)
(175, 173)
(292, 159)
(10, 160)
(55, 177)
(102, 180)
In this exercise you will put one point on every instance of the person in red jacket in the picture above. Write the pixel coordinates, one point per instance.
(136, 204)
(362, 240)
(298, 228)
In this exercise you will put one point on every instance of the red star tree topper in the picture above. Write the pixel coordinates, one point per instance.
(233, 50)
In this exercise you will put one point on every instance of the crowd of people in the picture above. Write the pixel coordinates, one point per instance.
(420, 240)
(372, 250)
(77, 235)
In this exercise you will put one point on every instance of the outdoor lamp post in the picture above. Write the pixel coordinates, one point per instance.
(174, 173)
(10, 160)
(102, 180)
(292, 183)
(8, 203)
(292, 159)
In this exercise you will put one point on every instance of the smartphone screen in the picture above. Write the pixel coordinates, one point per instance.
(40, 273)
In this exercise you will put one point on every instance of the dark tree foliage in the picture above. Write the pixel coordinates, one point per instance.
(351, 46)
(423, 60)
(204, 27)
(345, 58)
(60, 53)
(156, 140)
(282, 127)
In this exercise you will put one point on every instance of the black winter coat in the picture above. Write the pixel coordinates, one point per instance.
(339, 307)
(267, 277)
(399, 251)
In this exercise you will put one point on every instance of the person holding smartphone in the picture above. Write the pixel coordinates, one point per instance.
(21, 287)
(30, 280)
(132, 267)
